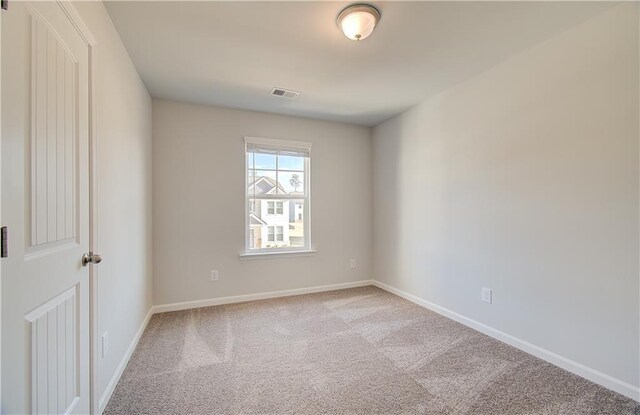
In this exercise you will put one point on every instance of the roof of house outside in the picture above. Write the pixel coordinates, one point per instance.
(266, 186)
(255, 220)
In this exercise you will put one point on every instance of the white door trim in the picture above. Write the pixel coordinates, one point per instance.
(91, 42)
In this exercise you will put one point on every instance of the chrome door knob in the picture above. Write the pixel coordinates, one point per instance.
(91, 258)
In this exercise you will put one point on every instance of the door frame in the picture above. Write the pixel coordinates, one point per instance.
(92, 48)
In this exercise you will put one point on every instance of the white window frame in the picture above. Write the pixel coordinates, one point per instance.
(306, 198)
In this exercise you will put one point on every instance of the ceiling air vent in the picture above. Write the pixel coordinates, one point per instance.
(284, 93)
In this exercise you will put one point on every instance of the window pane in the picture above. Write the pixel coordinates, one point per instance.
(251, 177)
(253, 206)
(292, 183)
(291, 163)
(296, 223)
(277, 230)
(275, 222)
(265, 161)
(256, 225)
(261, 182)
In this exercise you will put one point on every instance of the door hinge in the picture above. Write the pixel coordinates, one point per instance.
(4, 242)
(4, 4)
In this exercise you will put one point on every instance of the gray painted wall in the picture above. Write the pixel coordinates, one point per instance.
(524, 179)
(198, 203)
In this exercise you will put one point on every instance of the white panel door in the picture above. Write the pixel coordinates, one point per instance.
(45, 204)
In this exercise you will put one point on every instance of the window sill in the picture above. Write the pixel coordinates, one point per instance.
(276, 254)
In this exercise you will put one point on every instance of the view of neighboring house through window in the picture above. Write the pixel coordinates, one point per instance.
(275, 208)
(277, 195)
(276, 233)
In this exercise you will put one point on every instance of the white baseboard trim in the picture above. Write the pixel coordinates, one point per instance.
(258, 296)
(593, 375)
(104, 399)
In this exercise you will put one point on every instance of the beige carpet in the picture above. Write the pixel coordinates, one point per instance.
(355, 351)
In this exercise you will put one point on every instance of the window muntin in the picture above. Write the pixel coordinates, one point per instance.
(277, 194)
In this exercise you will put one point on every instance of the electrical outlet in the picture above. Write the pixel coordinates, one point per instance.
(214, 275)
(105, 344)
(487, 295)
(353, 263)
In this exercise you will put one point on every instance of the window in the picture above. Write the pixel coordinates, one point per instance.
(277, 194)
(275, 208)
(275, 237)
(276, 233)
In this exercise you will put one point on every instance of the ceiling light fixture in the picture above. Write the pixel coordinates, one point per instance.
(358, 21)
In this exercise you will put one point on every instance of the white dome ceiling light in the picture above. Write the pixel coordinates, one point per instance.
(358, 21)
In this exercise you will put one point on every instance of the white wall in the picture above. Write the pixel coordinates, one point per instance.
(198, 203)
(124, 192)
(524, 179)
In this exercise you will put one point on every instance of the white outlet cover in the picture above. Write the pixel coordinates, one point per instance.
(353, 263)
(215, 275)
(487, 295)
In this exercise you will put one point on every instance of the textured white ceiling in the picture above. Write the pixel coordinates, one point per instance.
(232, 54)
